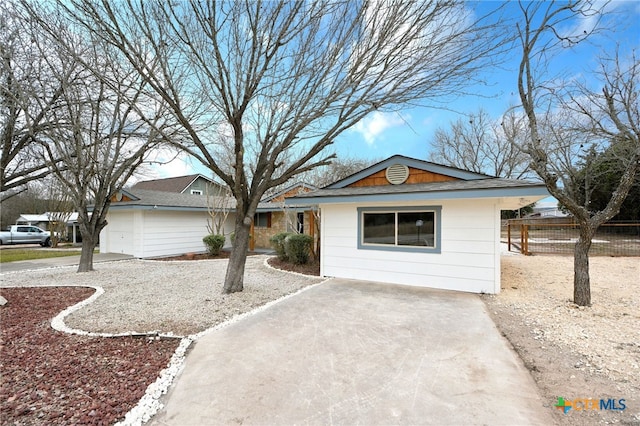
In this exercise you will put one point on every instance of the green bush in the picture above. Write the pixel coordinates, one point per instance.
(298, 247)
(277, 242)
(214, 243)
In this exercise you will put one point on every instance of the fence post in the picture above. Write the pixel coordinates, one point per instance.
(526, 240)
(508, 235)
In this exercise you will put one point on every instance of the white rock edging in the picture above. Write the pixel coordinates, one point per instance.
(57, 323)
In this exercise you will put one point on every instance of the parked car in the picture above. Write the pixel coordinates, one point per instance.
(25, 234)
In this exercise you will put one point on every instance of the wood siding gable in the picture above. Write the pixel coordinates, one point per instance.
(415, 176)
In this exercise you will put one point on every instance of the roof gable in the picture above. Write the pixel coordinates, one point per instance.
(419, 172)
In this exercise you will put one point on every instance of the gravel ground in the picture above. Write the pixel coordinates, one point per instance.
(575, 352)
(571, 352)
(168, 297)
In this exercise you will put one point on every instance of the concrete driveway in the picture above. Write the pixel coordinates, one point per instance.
(347, 352)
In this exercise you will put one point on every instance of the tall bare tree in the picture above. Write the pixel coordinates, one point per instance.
(27, 92)
(104, 124)
(483, 145)
(563, 120)
(283, 79)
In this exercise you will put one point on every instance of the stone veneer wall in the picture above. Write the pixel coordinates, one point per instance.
(278, 225)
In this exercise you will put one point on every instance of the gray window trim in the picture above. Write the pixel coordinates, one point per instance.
(412, 249)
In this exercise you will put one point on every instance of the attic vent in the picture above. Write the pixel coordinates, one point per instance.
(397, 174)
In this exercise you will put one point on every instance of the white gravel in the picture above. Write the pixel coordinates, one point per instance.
(167, 297)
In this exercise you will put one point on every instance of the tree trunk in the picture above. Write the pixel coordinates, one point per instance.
(233, 281)
(86, 256)
(581, 281)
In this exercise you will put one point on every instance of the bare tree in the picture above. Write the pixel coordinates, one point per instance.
(27, 92)
(483, 145)
(59, 208)
(219, 205)
(105, 125)
(339, 168)
(283, 79)
(596, 118)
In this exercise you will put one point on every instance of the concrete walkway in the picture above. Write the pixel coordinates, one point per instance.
(348, 352)
(52, 262)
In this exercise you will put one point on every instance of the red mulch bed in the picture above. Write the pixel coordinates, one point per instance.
(197, 256)
(202, 256)
(50, 377)
(311, 268)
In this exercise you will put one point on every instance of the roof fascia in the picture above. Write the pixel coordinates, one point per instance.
(515, 192)
(128, 194)
(162, 208)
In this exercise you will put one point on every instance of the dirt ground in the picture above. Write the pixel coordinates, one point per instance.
(574, 352)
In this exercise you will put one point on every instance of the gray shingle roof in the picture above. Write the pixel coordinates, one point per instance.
(175, 201)
(163, 199)
(174, 184)
(454, 185)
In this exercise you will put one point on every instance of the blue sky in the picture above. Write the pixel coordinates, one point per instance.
(410, 131)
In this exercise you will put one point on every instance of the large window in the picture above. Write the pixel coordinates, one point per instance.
(402, 229)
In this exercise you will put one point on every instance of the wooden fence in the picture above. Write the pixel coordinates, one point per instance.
(538, 236)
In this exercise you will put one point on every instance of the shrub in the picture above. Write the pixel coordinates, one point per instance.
(214, 243)
(297, 247)
(277, 242)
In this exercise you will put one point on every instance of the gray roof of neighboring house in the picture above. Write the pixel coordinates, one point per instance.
(173, 184)
(166, 200)
(478, 188)
(147, 200)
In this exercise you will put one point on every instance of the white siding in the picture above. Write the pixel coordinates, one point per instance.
(154, 233)
(117, 236)
(469, 259)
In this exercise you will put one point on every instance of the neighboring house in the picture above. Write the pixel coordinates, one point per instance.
(547, 208)
(192, 184)
(412, 222)
(44, 221)
(154, 223)
(145, 223)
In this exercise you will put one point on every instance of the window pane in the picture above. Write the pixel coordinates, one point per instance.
(260, 220)
(379, 228)
(416, 229)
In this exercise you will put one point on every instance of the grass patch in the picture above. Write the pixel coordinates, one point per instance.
(13, 255)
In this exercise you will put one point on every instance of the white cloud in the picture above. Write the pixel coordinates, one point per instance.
(373, 126)
(164, 163)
